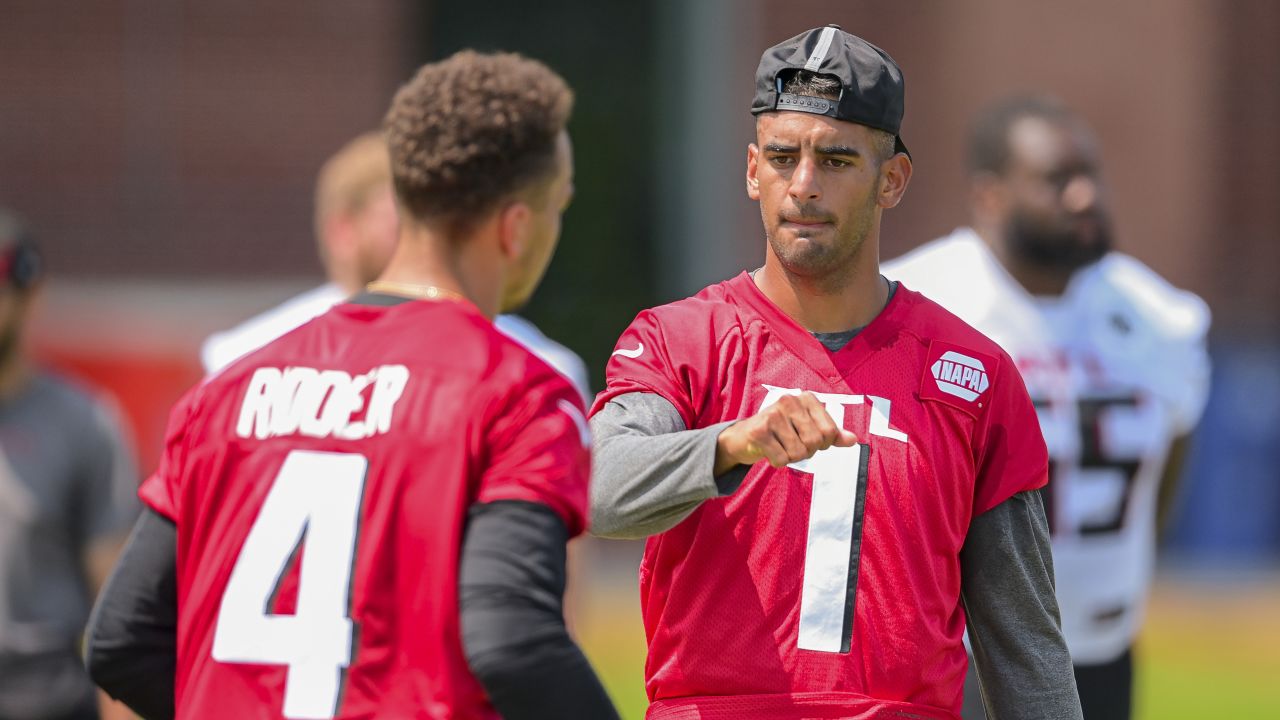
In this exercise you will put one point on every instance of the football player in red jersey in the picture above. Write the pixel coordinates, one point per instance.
(367, 517)
(835, 474)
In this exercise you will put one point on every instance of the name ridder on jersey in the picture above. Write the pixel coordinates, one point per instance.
(320, 403)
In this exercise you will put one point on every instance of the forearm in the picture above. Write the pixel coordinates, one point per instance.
(511, 588)
(131, 647)
(1170, 482)
(109, 709)
(650, 472)
(100, 559)
(1013, 621)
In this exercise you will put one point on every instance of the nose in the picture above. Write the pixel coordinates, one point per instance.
(804, 181)
(1080, 194)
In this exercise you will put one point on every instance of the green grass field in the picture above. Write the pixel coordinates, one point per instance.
(1208, 650)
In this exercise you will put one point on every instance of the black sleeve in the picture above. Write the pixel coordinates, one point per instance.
(1007, 586)
(132, 646)
(511, 590)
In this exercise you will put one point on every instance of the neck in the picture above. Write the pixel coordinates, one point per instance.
(426, 258)
(343, 272)
(349, 284)
(836, 303)
(14, 373)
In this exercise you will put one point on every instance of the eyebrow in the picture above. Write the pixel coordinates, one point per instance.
(823, 150)
(776, 148)
(838, 150)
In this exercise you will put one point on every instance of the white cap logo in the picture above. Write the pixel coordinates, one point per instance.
(960, 375)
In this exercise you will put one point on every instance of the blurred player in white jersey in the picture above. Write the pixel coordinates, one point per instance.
(356, 228)
(1113, 356)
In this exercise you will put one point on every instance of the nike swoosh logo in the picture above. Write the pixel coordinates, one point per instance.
(633, 354)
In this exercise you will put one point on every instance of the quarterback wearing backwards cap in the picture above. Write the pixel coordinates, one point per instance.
(835, 475)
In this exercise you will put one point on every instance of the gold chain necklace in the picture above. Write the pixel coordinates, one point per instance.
(415, 290)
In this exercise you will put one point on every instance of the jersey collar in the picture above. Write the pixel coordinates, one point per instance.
(802, 343)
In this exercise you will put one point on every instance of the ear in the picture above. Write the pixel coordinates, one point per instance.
(895, 173)
(339, 240)
(513, 229)
(753, 182)
(988, 197)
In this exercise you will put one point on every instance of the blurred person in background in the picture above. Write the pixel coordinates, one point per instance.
(67, 500)
(1113, 356)
(356, 229)
(368, 516)
(835, 473)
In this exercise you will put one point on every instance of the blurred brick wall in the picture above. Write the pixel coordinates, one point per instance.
(179, 137)
(153, 143)
(1244, 245)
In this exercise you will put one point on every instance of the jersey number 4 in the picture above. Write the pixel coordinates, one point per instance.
(833, 547)
(316, 496)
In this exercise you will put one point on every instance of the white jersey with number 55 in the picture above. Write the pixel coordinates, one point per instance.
(1117, 368)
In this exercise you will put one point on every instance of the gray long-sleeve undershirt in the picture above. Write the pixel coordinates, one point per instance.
(651, 472)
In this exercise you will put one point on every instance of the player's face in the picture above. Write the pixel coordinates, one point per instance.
(543, 231)
(820, 186)
(377, 228)
(13, 315)
(1057, 213)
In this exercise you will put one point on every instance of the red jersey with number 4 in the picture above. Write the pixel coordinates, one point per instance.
(829, 588)
(320, 488)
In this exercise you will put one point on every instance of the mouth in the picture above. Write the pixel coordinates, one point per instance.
(1087, 229)
(805, 223)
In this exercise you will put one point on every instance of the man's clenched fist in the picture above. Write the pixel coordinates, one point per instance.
(792, 429)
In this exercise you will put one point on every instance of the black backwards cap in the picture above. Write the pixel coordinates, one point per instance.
(871, 86)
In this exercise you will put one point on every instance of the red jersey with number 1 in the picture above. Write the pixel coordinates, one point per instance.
(830, 588)
(320, 488)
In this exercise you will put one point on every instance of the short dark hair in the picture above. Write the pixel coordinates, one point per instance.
(811, 84)
(989, 149)
(472, 130)
(827, 87)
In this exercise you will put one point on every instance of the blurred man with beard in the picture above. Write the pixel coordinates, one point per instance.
(1113, 356)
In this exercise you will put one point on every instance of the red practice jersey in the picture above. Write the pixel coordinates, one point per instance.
(320, 488)
(829, 588)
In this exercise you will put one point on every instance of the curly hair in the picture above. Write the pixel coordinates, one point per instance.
(471, 131)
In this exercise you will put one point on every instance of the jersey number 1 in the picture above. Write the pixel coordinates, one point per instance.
(315, 496)
(833, 548)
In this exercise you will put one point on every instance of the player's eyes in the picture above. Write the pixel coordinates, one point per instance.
(782, 160)
(837, 163)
